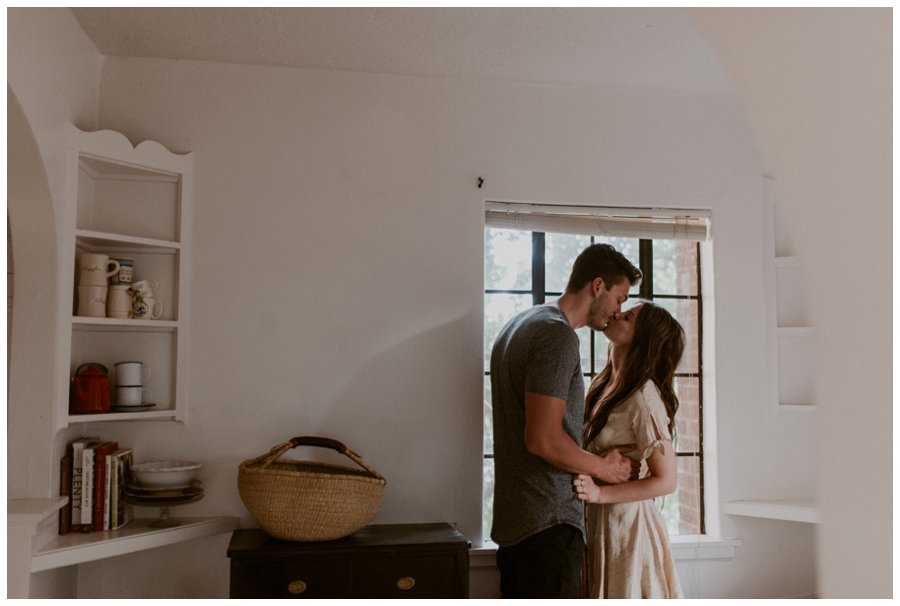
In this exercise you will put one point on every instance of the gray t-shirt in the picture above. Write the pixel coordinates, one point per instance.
(537, 351)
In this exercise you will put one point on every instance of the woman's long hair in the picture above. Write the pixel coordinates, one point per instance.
(653, 354)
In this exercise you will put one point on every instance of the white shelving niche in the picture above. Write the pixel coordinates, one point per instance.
(794, 338)
(130, 202)
(791, 355)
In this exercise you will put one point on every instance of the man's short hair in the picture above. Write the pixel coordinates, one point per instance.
(603, 261)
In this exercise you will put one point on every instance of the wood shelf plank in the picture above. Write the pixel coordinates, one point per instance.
(146, 415)
(107, 240)
(792, 510)
(138, 535)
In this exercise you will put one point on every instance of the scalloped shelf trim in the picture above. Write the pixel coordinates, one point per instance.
(115, 147)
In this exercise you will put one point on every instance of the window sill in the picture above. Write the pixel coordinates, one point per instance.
(684, 547)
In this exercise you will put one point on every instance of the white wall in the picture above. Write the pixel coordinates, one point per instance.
(53, 74)
(824, 122)
(338, 279)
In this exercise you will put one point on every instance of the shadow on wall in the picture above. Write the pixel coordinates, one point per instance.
(413, 412)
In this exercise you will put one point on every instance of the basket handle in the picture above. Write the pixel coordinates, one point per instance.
(322, 442)
(271, 456)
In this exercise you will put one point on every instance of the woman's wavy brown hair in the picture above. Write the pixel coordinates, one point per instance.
(653, 354)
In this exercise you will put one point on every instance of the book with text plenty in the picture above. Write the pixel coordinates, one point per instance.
(76, 496)
(99, 490)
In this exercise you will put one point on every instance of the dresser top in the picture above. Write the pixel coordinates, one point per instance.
(252, 542)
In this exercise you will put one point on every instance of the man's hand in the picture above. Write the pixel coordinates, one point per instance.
(615, 468)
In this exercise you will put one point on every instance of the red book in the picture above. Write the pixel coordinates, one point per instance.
(65, 490)
(99, 488)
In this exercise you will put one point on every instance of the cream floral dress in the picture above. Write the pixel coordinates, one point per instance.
(628, 553)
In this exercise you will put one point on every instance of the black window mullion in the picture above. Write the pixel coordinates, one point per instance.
(645, 253)
(538, 272)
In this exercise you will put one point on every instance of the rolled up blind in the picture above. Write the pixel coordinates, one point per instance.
(655, 223)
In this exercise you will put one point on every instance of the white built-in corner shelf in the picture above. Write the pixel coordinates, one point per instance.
(791, 510)
(137, 535)
(795, 368)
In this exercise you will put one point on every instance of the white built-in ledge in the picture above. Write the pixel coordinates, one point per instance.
(137, 535)
(684, 547)
(791, 510)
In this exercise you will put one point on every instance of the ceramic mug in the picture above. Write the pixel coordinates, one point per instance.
(125, 275)
(145, 288)
(118, 302)
(131, 395)
(131, 373)
(146, 308)
(92, 301)
(96, 268)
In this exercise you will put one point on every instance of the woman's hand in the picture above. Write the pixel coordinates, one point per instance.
(586, 489)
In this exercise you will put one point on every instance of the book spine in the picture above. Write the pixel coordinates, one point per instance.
(106, 492)
(114, 490)
(77, 493)
(65, 490)
(101, 492)
(125, 511)
(87, 489)
(99, 479)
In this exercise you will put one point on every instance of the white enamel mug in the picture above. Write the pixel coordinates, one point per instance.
(131, 395)
(96, 268)
(131, 373)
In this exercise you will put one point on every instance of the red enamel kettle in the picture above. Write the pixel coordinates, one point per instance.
(89, 392)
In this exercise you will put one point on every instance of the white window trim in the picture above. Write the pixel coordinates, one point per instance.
(684, 548)
(667, 223)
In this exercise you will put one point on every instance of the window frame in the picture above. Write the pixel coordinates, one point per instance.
(540, 295)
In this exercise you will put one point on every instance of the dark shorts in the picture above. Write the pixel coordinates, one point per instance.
(545, 565)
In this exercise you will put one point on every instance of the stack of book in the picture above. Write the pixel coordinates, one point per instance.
(93, 474)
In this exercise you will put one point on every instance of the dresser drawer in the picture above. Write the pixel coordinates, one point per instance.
(289, 578)
(378, 561)
(419, 576)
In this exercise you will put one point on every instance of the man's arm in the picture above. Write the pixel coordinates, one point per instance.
(545, 438)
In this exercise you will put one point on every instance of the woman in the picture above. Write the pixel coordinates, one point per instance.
(632, 403)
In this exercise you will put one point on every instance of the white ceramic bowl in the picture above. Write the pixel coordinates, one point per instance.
(159, 474)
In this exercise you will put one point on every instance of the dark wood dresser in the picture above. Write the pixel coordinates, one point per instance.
(378, 561)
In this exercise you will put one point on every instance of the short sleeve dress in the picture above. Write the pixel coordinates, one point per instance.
(628, 554)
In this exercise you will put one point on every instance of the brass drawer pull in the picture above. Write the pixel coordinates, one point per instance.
(297, 587)
(406, 583)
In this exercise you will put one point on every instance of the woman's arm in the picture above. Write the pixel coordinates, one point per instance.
(661, 481)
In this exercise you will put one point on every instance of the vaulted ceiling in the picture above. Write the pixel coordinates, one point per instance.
(611, 47)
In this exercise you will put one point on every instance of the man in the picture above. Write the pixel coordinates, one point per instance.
(538, 411)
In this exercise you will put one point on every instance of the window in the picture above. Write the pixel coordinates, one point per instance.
(526, 267)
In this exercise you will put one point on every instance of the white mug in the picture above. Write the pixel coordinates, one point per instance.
(131, 373)
(96, 268)
(145, 288)
(92, 301)
(146, 308)
(118, 302)
(131, 395)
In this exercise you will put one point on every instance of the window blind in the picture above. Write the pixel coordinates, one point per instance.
(655, 223)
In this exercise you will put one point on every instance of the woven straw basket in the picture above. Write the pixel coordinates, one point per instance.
(307, 500)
